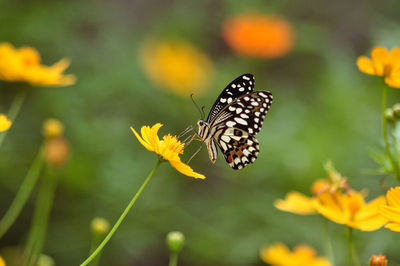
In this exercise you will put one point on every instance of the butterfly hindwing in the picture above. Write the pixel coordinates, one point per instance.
(238, 147)
(240, 86)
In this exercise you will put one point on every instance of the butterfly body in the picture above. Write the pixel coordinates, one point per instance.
(236, 116)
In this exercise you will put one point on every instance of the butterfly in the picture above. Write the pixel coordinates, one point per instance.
(234, 119)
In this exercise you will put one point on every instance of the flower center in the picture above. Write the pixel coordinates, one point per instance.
(387, 70)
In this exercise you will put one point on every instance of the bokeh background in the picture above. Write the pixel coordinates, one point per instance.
(324, 108)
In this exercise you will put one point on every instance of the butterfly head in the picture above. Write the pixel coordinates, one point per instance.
(203, 128)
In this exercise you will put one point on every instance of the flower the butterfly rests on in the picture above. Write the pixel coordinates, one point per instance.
(235, 118)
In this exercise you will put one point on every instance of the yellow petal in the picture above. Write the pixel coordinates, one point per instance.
(5, 124)
(365, 65)
(185, 169)
(393, 81)
(274, 254)
(145, 143)
(393, 226)
(297, 203)
(393, 197)
(380, 57)
(391, 213)
(2, 263)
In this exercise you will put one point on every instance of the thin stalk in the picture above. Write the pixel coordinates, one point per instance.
(173, 259)
(352, 253)
(122, 217)
(41, 215)
(328, 242)
(14, 110)
(385, 135)
(23, 194)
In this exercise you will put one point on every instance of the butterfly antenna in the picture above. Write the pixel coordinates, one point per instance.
(198, 108)
(202, 110)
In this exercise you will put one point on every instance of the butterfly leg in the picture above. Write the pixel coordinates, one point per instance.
(194, 154)
(186, 131)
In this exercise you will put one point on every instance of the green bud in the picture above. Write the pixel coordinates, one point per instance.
(100, 226)
(45, 260)
(389, 115)
(396, 110)
(175, 241)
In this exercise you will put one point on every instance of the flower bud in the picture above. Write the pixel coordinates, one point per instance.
(100, 226)
(389, 116)
(378, 260)
(53, 128)
(56, 151)
(45, 260)
(396, 110)
(175, 241)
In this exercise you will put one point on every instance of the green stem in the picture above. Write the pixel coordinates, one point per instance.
(23, 194)
(173, 259)
(395, 166)
(14, 110)
(122, 217)
(352, 253)
(328, 242)
(40, 221)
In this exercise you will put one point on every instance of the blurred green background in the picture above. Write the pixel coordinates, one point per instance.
(324, 108)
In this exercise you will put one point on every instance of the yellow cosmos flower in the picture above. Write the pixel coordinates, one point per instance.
(24, 65)
(382, 63)
(279, 255)
(351, 209)
(297, 203)
(168, 148)
(391, 210)
(177, 66)
(5, 124)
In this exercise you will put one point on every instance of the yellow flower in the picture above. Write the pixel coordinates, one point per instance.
(259, 35)
(24, 65)
(297, 203)
(382, 63)
(168, 148)
(279, 255)
(351, 209)
(177, 66)
(2, 263)
(391, 210)
(5, 124)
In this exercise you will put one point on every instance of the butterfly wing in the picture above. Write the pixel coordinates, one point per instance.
(238, 147)
(240, 86)
(246, 112)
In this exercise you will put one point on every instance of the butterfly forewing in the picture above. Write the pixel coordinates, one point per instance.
(240, 86)
(247, 112)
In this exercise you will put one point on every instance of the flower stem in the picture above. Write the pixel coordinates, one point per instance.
(41, 215)
(328, 242)
(173, 259)
(23, 193)
(14, 110)
(352, 254)
(122, 217)
(385, 135)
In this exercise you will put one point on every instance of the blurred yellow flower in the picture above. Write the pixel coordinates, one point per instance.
(5, 124)
(2, 263)
(382, 63)
(391, 210)
(259, 35)
(279, 255)
(297, 203)
(351, 209)
(168, 148)
(52, 128)
(24, 65)
(177, 66)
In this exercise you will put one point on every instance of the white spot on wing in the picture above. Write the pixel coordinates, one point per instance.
(230, 123)
(225, 138)
(241, 121)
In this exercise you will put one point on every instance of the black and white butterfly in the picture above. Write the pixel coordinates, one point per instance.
(235, 118)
